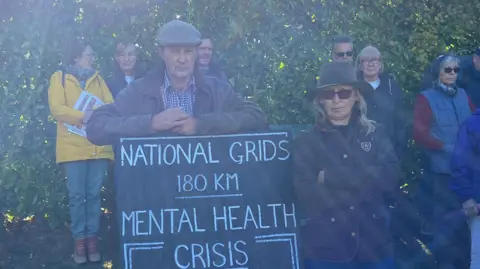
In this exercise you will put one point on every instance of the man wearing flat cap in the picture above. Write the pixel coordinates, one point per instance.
(342, 169)
(175, 98)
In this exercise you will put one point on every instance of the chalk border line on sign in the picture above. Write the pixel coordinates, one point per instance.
(291, 238)
(274, 238)
(202, 136)
(128, 248)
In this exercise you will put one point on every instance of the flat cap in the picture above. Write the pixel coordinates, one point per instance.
(178, 32)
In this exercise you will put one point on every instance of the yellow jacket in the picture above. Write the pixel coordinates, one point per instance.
(72, 147)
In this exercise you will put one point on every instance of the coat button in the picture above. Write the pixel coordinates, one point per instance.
(345, 156)
(332, 219)
(352, 207)
(354, 234)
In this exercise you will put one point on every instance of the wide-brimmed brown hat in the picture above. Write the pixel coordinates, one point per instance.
(339, 73)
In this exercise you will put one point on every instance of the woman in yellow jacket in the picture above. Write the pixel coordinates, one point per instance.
(85, 164)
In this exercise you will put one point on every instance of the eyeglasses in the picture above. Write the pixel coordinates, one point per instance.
(370, 61)
(344, 54)
(449, 70)
(329, 95)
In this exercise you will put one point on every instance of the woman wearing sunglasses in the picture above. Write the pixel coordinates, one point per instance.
(439, 112)
(342, 169)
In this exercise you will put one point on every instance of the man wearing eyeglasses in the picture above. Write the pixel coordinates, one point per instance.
(342, 50)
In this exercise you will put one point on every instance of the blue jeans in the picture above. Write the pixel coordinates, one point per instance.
(84, 183)
(382, 264)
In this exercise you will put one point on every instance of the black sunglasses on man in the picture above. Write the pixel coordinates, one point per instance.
(343, 54)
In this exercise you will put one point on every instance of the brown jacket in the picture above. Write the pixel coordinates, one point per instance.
(345, 217)
(217, 108)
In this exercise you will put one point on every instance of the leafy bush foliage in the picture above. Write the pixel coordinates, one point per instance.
(270, 49)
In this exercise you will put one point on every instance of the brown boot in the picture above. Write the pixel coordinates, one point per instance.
(80, 253)
(92, 248)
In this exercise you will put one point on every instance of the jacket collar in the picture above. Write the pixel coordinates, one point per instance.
(152, 83)
(328, 126)
(383, 76)
(334, 136)
(73, 78)
(191, 86)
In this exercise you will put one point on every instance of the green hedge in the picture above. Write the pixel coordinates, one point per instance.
(270, 49)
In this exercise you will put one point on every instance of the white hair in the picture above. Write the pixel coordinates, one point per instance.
(448, 60)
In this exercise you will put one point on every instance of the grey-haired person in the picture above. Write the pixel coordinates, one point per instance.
(175, 98)
(386, 105)
(439, 112)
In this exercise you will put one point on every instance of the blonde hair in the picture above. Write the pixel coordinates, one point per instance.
(366, 124)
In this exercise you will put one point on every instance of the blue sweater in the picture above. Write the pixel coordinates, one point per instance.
(465, 162)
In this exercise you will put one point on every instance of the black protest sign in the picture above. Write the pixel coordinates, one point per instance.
(206, 202)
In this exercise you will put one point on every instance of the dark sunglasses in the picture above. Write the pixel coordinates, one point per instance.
(449, 70)
(344, 54)
(342, 94)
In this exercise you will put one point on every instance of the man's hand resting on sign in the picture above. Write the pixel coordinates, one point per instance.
(168, 119)
(186, 127)
(321, 177)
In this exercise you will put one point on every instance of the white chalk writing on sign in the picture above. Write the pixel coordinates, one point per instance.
(206, 217)
(201, 152)
(231, 217)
